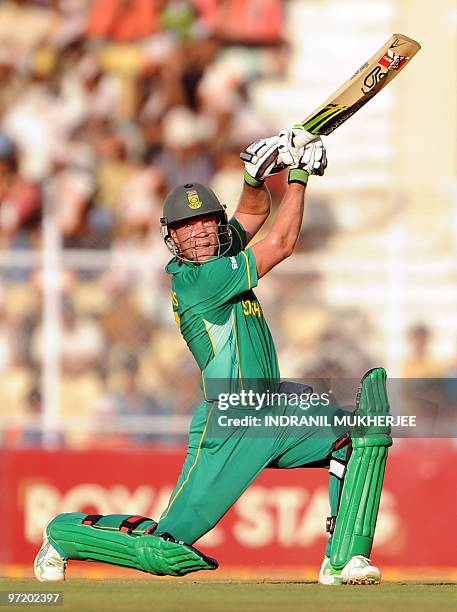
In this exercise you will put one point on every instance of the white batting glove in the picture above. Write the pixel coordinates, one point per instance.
(312, 159)
(291, 142)
(260, 160)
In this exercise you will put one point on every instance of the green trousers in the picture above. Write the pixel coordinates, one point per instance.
(219, 468)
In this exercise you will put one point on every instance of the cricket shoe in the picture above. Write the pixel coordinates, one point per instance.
(357, 571)
(49, 565)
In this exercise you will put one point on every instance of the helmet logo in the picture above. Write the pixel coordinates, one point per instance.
(193, 199)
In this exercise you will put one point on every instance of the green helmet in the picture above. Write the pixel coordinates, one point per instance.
(189, 201)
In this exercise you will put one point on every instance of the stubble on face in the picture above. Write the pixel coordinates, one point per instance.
(197, 238)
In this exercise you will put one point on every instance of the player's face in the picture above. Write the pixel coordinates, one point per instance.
(197, 238)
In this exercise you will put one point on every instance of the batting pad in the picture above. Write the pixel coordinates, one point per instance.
(158, 554)
(359, 505)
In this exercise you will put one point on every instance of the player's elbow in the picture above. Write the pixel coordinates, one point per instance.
(281, 254)
(289, 250)
(271, 251)
(283, 247)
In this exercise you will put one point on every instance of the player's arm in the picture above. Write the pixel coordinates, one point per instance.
(282, 238)
(225, 277)
(262, 159)
(253, 208)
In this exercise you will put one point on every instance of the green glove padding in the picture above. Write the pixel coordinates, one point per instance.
(298, 175)
(253, 182)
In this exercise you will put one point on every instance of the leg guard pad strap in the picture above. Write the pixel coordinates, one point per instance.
(91, 519)
(338, 468)
(330, 524)
(127, 524)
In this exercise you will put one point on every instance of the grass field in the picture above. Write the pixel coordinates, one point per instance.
(237, 596)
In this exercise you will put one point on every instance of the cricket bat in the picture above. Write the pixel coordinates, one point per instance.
(373, 76)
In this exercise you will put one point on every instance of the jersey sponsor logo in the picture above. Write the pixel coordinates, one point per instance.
(175, 303)
(193, 199)
(234, 263)
(251, 308)
(392, 61)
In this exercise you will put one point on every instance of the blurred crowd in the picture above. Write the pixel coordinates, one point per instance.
(105, 105)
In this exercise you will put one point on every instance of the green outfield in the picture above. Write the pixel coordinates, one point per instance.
(249, 596)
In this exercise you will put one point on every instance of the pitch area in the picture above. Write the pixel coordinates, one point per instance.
(239, 596)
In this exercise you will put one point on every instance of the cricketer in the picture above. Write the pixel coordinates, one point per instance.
(213, 275)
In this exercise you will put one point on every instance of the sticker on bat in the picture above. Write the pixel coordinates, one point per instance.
(392, 61)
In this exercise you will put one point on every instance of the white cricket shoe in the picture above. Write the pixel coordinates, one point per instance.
(49, 565)
(357, 571)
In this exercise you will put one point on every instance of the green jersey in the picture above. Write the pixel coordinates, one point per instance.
(220, 317)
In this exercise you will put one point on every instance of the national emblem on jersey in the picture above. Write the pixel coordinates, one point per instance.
(193, 199)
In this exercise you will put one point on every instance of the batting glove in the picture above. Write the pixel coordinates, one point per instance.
(311, 159)
(260, 159)
(291, 143)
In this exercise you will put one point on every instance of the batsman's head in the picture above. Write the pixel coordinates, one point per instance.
(194, 224)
